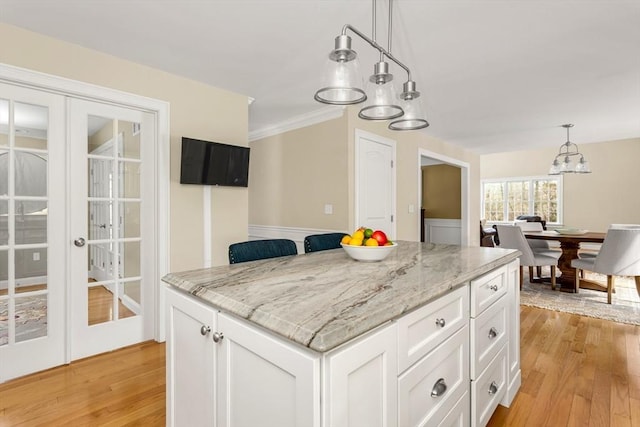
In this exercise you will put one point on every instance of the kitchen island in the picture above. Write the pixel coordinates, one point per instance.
(322, 340)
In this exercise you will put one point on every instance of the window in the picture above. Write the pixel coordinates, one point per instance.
(506, 199)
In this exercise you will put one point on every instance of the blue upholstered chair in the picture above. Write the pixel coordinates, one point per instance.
(322, 242)
(261, 249)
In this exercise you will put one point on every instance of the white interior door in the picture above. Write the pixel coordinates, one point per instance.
(32, 231)
(375, 182)
(112, 229)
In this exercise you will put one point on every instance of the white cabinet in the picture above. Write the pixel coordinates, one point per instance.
(190, 362)
(262, 378)
(448, 363)
(361, 381)
(245, 377)
(495, 341)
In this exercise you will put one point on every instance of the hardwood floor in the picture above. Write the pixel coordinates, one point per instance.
(576, 371)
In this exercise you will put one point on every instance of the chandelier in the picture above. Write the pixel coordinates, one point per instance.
(569, 159)
(343, 83)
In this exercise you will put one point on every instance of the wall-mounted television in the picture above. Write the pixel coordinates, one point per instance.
(214, 163)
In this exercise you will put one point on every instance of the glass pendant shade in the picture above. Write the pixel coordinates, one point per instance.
(583, 166)
(555, 168)
(413, 117)
(342, 81)
(382, 101)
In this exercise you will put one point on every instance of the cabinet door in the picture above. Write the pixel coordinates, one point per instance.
(190, 362)
(513, 320)
(263, 381)
(361, 382)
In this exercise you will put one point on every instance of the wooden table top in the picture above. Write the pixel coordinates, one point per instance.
(589, 237)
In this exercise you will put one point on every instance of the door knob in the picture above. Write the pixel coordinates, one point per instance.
(79, 242)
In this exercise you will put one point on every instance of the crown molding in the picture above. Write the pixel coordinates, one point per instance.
(297, 122)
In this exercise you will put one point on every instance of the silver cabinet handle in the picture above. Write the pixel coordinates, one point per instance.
(494, 288)
(493, 332)
(204, 330)
(493, 388)
(79, 242)
(439, 388)
(441, 322)
(217, 336)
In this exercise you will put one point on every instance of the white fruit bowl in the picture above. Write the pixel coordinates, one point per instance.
(368, 253)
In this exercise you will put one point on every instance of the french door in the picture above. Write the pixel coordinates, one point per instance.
(112, 226)
(32, 231)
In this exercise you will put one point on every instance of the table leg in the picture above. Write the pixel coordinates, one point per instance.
(567, 277)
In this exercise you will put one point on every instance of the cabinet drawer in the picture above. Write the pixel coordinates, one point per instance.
(487, 391)
(488, 336)
(431, 388)
(423, 330)
(460, 415)
(487, 289)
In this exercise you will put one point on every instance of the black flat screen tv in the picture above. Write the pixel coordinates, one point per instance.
(214, 163)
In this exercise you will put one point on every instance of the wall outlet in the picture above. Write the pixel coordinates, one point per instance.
(412, 208)
(328, 209)
(36, 256)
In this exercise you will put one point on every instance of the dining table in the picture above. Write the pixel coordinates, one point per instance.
(570, 246)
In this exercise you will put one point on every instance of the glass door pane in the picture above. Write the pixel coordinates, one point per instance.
(24, 276)
(113, 152)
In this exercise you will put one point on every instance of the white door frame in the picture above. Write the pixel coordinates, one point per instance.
(33, 79)
(464, 190)
(361, 134)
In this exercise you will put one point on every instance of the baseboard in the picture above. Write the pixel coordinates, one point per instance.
(258, 232)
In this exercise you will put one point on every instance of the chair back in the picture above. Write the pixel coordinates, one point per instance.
(261, 249)
(322, 242)
(529, 226)
(511, 237)
(620, 253)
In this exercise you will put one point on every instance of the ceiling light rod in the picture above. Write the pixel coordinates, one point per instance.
(567, 151)
(342, 44)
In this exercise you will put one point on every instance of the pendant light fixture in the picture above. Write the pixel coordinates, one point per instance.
(341, 83)
(569, 159)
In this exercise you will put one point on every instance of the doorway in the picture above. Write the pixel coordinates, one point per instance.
(446, 231)
(375, 182)
(83, 220)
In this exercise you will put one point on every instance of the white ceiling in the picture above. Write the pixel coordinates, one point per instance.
(495, 75)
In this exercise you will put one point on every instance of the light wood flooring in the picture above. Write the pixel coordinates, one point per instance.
(577, 371)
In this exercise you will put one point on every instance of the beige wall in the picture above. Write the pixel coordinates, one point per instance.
(590, 201)
(196, 110)
(293, 175)
(325, 153)
(441, 195)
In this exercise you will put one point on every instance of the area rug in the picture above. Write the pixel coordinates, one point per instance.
(624, 307)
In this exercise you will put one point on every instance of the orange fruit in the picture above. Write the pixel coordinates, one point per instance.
(371, 242)
(346, 239)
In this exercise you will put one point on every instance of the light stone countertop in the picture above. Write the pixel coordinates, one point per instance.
(323, 299)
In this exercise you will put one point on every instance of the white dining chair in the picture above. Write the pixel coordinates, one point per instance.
(537, 245)
(619, 256)
(512, 237)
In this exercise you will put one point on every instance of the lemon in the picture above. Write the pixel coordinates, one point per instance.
(346, 239)
(371, 242)
(358, 235)
(355, 242)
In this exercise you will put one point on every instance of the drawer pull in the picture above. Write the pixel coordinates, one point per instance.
(217, 336)
(493, 332)
(439, 388)
(493, 388)
(494, 288)
(204, 330)
(440, 322)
